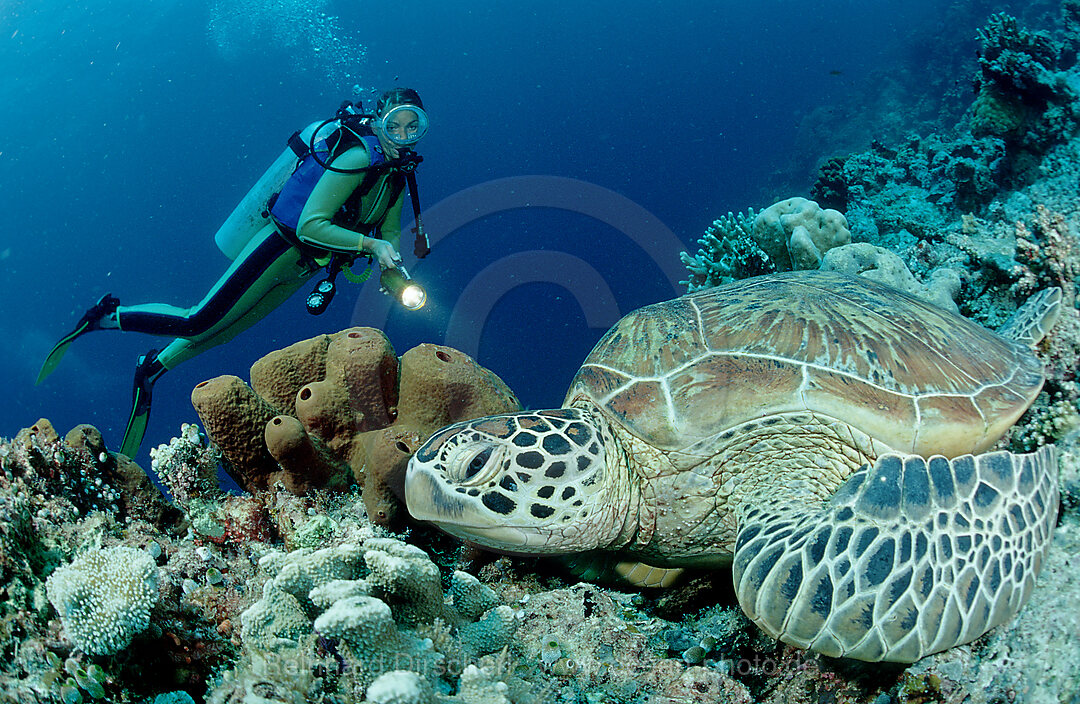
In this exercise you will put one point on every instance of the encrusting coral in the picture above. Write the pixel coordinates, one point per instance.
(881, 265)
(104, 598)
(374, 600)
(338, 408)
(796, 233)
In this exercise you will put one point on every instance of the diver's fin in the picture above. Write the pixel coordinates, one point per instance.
(136, 429)
(91, 320)
(57, 353)
(146, 373)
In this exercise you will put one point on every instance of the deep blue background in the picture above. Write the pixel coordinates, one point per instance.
(130, 131)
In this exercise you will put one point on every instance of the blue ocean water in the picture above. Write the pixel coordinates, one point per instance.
(575, 148)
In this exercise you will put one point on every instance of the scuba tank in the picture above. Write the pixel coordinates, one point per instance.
(251, 215)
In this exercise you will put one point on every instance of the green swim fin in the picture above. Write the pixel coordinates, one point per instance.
(91, 320)
(57, 353)
(146, 373)
(136, 429)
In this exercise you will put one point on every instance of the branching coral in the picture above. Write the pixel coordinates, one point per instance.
(727, 252)
(187, 467)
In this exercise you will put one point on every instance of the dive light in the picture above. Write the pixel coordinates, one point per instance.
(400, 285)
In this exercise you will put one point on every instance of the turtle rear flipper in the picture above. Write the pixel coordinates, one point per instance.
(609, 567)
(908, 558)
(1030, 323)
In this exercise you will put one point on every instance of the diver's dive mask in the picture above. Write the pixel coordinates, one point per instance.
(404, 125)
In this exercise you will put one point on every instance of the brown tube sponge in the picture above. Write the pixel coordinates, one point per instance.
(362, 361)
(342, 407)
(234, 417)
(280, 374)
(440, 385)
(305, 464)
(323, 408)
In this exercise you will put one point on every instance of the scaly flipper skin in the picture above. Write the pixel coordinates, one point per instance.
(908, 558)
(1034, 319)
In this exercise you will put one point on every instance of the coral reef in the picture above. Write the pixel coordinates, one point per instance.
(796, 233)
(293, 594)
(320, 605)
(727, 252)
(104, 598)
(976, 219)
(340, 408)
(1023, 94)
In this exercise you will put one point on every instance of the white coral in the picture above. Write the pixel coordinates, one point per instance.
(796, 233)
(104, 598)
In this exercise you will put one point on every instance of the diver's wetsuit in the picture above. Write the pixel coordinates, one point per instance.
(341, 210)
(272, 267)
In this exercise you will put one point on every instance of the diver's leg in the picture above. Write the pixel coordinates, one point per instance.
(279, 280)
(262, 253)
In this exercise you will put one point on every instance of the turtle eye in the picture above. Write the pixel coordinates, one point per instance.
(477, 463)
(472, 466)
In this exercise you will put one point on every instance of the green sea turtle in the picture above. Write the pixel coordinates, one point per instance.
(827, 436)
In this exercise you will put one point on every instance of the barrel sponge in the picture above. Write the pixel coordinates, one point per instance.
(104, 598)
(796, 233)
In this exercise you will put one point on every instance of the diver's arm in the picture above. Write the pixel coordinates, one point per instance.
(316, 226)
(390, 227)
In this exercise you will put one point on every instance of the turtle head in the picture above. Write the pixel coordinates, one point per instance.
(531, 482)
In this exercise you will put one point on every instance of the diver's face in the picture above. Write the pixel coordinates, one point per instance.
(402, 126)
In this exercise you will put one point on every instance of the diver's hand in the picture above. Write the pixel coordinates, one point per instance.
(384, 252)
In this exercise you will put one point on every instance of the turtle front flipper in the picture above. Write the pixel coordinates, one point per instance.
(909, 557)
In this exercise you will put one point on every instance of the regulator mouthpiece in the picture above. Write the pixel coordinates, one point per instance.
(400, 285)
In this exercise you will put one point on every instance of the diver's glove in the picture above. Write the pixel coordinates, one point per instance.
(383, 252)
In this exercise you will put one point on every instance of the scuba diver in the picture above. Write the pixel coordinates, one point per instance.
(343, 200)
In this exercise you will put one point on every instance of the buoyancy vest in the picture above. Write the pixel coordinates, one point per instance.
(287, 205)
